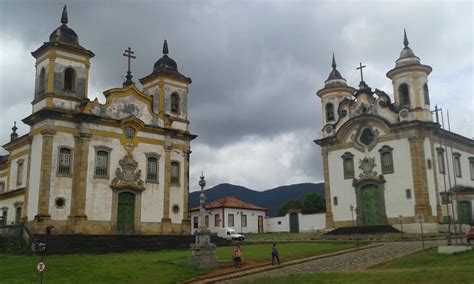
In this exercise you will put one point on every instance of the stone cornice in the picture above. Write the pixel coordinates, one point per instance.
(12, 193)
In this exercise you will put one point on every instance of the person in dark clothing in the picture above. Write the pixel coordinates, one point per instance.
(275, 254)
(237, 257)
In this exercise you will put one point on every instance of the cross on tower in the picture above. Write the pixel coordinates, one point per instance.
(360, 68)
(128, 53)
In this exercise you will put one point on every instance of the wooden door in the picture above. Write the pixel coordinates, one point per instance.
(260, 224)
(126, 213)
(465, 212)
(370, 206)
(294, 223)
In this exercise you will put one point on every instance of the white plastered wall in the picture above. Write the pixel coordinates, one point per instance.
(61, 186)
(396, 202)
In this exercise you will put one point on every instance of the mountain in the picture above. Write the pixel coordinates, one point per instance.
(271, 198)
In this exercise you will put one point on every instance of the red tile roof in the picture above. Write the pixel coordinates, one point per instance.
(230, 202)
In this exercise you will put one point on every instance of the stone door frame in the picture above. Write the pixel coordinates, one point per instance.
(381, 194)
(137, 210)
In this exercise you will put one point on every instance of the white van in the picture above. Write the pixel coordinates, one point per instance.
(230, 234)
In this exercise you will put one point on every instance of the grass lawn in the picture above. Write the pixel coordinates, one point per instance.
(424, 267)
(139, 267)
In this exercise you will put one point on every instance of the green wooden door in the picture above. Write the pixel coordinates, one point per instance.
(465, 212)
(294, 223)
(370, 205)
(125, 213)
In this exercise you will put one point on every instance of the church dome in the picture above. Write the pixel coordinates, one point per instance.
(335, 78)
(407, 56)
(166, 66)
(63, 33)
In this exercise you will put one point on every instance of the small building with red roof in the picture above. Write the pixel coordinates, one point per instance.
(230, 212)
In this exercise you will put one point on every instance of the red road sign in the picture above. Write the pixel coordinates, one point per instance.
(40, 267)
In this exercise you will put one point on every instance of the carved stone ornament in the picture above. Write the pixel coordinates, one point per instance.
(367, 166)
(127, 176)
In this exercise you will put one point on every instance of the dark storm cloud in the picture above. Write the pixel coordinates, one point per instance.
(255, 66)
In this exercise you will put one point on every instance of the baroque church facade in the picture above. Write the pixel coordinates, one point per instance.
(121, 167)
(388, 160)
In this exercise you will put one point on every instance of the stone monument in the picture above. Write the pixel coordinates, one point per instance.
(203, 250)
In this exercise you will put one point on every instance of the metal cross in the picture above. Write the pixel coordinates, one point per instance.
(360, 68)
(128, 53)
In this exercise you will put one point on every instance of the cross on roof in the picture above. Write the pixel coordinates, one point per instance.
(128, 53)
(360, 68)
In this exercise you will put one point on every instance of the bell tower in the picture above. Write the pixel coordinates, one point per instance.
(169, 89)
(62, 69)
(410, 84)
(334, 92)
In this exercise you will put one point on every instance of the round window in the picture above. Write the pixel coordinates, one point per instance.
(60, 202)
(175, 209)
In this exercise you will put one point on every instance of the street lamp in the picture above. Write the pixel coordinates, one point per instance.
(357, 225)
(352, 214)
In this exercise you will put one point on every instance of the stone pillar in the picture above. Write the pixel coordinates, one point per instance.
(24, 211)
(161, 86)
(45, 178)
(420, 180)
(166, 221)
(186, 223)
(434, 168)
(327, 188)
(79, 182)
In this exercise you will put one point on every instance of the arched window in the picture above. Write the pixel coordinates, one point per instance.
(329, 112)
(457, 164)
(102, 164)
(64, 161)
(69, 80)
(175, 103)
(440, 160)
(404, 95)
(19, 172)
(175, 172)
(348, 165)
(18, 215)
(2, 186)
(41, 81)
(426, 94)
(152, 169)
(386, 159)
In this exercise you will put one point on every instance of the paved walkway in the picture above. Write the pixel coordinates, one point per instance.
(353, 260)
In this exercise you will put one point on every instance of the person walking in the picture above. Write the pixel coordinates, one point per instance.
(237, 256)
(275, 254)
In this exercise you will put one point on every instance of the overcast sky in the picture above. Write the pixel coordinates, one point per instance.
(255, 68)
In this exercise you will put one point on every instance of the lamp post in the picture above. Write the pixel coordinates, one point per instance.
(352, 214)
(357, 225)
(41, 266)
(400, 217)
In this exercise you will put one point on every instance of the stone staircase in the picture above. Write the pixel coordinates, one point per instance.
(72, 244)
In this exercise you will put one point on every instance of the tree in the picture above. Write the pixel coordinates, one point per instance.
(313, 203)
(290, 204)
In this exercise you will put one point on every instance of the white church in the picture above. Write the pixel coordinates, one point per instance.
(119, 167)
(388, 160)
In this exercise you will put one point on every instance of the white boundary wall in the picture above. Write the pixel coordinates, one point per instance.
(307, 223)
